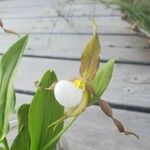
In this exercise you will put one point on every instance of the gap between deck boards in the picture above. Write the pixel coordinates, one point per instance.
(78, 59)
(66, 16)
(113, 105)
(80, 33)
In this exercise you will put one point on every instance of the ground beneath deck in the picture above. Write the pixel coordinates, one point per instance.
(59, 30)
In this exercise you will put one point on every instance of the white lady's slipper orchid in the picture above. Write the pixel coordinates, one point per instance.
(68, 94)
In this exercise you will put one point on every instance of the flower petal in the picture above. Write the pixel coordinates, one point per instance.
(67, 94)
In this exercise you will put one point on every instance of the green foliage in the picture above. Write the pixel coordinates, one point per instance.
(43, 111)
(22, 141)
(1, 148)
(102, 79)
(34, 119)
(8, 66)
(137, 11)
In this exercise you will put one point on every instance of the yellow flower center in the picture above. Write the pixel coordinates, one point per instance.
(79, 84)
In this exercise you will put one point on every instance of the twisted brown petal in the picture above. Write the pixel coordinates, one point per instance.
(106, 108)
(108, 111)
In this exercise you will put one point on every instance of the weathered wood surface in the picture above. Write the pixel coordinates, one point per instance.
(25, 9)
(98, 131)
(59, 30)
(125, 48)
(81, 25)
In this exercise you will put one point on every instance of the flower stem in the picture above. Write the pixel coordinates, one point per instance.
(58, 121)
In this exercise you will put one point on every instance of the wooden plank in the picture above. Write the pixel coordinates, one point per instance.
(86, 9)
(105, 25)
(129, 84)
(27, 12)
(30, 3)
(93, 130)
(35, 9)
(127, 48)
(27, 3)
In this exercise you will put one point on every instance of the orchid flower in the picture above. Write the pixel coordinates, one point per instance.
(77, 94)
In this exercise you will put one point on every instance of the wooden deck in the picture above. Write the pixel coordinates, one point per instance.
(59, 30)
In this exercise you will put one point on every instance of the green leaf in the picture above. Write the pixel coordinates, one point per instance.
(102, 79)
(22, 140)
(91, 57)
(43, 111)
(8, 67)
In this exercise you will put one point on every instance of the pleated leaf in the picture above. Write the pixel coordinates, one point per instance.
(102, 79)
(22, 140)
(43, 111)
(8, 66)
